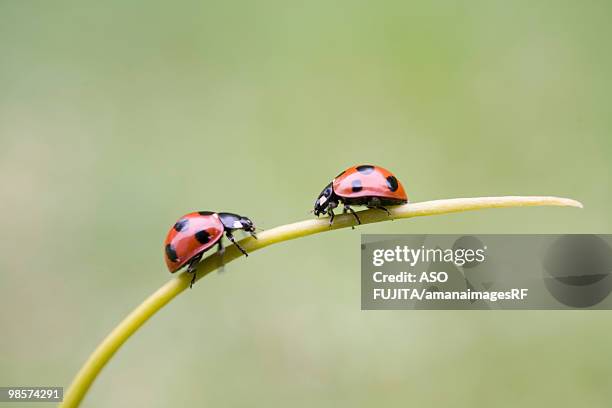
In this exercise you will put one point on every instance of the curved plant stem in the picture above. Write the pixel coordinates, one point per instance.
(172, 288)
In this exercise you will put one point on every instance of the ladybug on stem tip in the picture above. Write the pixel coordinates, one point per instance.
(372, 186)
(196, 232)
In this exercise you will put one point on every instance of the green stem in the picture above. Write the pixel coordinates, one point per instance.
(172, 288)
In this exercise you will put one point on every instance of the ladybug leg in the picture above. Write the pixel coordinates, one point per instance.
(221, 250)
(331, 216)
(330, 211)
(344, 211)
(193, 266)
(231, 238)
(350, 209)
(380, 207)
(375, 203)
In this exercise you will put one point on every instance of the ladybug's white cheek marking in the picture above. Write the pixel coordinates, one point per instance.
(322, 200)
(237, 224)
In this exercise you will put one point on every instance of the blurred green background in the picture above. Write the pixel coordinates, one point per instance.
(117, 118)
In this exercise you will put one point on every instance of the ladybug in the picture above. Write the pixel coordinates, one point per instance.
(367, 185)
(196, 232)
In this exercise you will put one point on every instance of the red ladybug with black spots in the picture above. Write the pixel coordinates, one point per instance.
(372, 186)
(196, 232)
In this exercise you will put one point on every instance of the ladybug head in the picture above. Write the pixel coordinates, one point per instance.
(326, 201)
(233, 222)
(247, 224)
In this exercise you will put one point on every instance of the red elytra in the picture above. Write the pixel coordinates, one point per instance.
(369, 181)
(196, 232)
(191, 234)
(372, 186)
